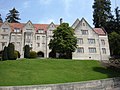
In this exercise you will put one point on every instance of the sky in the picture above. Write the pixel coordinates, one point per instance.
(47, 11)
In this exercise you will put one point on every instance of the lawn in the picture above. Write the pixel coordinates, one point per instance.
(35, 72)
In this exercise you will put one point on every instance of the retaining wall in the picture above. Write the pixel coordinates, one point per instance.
(104, 84)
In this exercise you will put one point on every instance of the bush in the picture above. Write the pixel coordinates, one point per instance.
(18, 54)
(10, 51)
(15, 55)
(26, 51)
(33, 54)
(4, 54)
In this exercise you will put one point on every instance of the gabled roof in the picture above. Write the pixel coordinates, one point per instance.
(41, 26)
(100, 31)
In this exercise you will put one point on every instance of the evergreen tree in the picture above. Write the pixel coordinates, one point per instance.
(4, 54)
(26, 51)
(101, 13)
(10, 51)
(63, 42)
(1, 21)
(13, 16)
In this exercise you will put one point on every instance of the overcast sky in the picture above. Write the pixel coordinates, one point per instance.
(46, 11)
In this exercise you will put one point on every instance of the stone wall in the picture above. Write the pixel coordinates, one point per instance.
(104, 84)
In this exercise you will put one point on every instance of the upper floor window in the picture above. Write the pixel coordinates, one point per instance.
(4, 36)
(13, 37)
(92, 50)
(103, 42)
(16, 29)
(80, 50)
(83, 24)
(38, 37)
(84, 32)
(79, 40)
(5, 29)
(43, 39)
(103, 50)
(40, 31)
(38, 44)
(28, 30)
(91, 41)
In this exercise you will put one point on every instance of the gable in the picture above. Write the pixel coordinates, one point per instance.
(75, 23)
(5, 27)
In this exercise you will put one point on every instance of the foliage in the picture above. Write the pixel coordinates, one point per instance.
(114, 40)
(1, 21)
(15, 55)
(4, 54)
(26, 51)
(101, 13)
(63, 42)
(10, 51)
(50, 71)
(33, 54)
(13, 16)
(18, 53)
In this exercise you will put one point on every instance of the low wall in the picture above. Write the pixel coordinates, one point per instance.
(104, 84)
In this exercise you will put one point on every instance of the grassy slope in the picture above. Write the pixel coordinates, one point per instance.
(33, 72)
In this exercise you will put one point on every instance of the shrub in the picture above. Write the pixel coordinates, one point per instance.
(33, 54)
(15, 55)
(18, 54)
(4, 54)
(10, 51)
(26, 51)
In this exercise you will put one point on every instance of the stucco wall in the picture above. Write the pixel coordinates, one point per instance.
(104, 84)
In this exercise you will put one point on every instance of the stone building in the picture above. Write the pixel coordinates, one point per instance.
(92, 42)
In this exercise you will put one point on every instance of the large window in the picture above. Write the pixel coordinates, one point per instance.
(43, 39)
(38, 44)
(91, 41)
(103, 50)
(4, 36)
(103, 41)
(40, 31)
(80, 50)
(79, 40)
(84, 32)
(92, 50)
(16, 29)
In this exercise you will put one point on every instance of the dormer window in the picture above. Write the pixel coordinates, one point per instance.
(16, 29)
(40, 31)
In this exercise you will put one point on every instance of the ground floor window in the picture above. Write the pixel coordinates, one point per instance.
(80, 50)
(103, 50)
(92, 50)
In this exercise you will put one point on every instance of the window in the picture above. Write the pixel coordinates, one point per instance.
(83, 24)
(16, 29)
(84, 32)
(50, 31)
(13, 37)
(18, 37)
(40, 31)
(103, 42)
(91, 41)
(92, 50)
(28, 30)
(80, 50)
(43, 39)
(79, 40)
(18, 43)
(3, 44)
(38, 44)
(38, 37)
(5, 29)
(103, 50)
(4, 36)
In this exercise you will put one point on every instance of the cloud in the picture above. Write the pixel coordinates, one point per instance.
(46, 2)
(48, 21)
(26, 4)
(67, 4)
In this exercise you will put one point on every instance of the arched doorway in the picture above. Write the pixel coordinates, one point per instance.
(40, 54)
(52, 54)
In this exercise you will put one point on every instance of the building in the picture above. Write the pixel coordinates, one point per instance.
(92, 43)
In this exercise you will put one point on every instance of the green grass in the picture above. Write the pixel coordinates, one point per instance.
(34, 72)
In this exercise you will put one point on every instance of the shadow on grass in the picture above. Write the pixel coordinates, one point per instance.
(108, 71)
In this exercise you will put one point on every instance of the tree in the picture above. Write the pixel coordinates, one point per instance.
(1, 21)
(114, 40)
(26, 51)
(10, 52)
(4, 54)
(63, 42)
(13, 16)
(101, 13)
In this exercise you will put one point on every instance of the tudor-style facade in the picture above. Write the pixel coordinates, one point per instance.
(91, 43)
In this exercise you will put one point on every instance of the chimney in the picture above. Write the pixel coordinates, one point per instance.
(61, 20)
